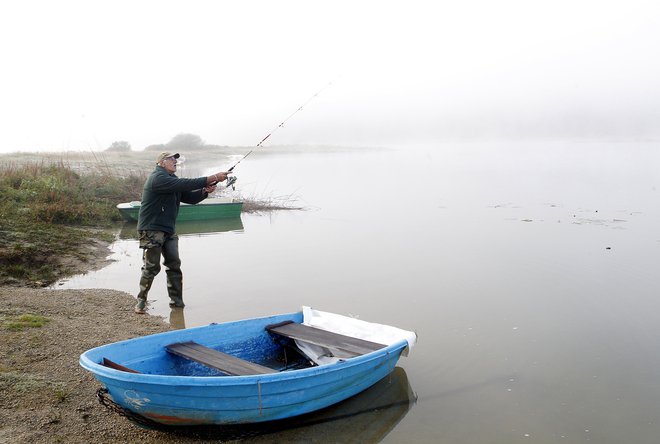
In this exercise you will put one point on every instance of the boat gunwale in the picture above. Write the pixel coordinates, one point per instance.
(156, 379)
(202, 211)
(183, 380)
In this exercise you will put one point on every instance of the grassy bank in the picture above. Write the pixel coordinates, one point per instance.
(55, 207)
(50, 213)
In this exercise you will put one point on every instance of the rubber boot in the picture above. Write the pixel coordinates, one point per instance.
(172, 265)
(150, 268)
(145, 285)
(175, 289)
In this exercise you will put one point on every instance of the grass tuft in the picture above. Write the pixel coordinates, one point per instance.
(24, 321)
(35, 384)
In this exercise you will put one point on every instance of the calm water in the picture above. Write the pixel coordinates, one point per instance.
(529, 272)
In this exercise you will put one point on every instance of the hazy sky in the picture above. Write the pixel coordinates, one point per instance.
(82, 74)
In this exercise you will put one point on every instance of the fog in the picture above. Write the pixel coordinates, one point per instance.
(80, 75)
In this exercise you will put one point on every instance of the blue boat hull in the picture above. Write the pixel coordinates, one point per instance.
(171, 390)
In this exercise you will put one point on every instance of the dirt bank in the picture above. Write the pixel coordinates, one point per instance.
(45, 396)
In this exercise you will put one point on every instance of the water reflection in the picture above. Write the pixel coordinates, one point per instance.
(192, 227)
(365, 418)
(177, 318)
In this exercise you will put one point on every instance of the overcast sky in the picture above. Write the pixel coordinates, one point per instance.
(80, 75)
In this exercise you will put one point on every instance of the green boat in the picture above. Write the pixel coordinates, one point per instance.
(208, 209)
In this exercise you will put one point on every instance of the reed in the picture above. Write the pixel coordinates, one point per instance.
(49, 210)
(261, 204)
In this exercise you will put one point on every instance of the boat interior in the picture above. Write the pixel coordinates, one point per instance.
(276, 350)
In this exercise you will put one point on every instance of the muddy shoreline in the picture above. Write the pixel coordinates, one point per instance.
(45, 396)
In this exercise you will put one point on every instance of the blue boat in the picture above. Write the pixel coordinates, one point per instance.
(248, 371)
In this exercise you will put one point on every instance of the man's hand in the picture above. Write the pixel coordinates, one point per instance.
(217, 177)
(209, 189)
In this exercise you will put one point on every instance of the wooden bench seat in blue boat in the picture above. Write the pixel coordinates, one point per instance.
(341, 346)
(228, 364)
(108, 363)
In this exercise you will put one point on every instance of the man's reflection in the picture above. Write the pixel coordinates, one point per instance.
(177, 320)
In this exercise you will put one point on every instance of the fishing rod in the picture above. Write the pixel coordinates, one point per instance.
(260, 144)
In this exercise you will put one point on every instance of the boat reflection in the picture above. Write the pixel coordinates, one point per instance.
(191, 227)
(365, 418)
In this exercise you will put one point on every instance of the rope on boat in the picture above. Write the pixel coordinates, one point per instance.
(230, 432)
(105, 400)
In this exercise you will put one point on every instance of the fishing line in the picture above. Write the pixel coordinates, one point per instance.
(280, 125)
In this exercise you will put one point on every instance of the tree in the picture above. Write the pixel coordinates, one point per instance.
(185, 141)
(119, 146)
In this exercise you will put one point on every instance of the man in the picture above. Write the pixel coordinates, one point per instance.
(163, 192)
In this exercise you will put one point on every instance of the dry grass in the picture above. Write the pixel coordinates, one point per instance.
(49, 212)
(270, 203)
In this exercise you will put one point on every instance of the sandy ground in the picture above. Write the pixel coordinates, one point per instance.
(45, 396)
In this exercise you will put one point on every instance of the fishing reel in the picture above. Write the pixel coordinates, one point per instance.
(230, 182)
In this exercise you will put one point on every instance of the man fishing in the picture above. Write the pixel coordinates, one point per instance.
(162, 194)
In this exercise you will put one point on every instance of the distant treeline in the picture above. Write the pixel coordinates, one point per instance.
(183, 141)
(165, 147)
